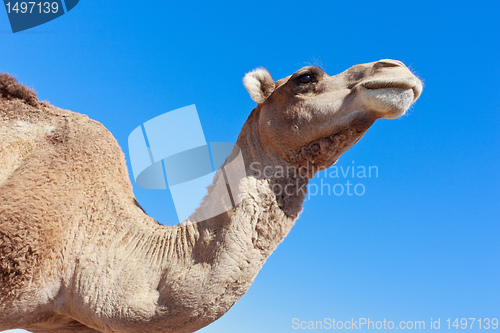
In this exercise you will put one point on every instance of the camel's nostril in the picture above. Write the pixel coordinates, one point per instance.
(388, 63)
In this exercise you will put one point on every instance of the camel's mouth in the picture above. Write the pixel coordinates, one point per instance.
(414, 84)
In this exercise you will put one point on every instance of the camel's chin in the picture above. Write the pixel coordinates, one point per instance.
(389, 103)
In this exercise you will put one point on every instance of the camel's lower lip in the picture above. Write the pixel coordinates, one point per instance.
(388, 102)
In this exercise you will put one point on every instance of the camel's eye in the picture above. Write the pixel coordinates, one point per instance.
(306, 78)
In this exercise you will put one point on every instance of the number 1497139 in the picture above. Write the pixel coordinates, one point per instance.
(32, 7)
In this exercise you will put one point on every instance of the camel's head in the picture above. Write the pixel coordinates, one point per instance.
(310, 118)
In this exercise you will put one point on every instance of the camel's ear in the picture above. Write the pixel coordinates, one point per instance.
(260, 84)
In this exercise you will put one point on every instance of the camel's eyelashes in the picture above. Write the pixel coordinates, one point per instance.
(306, 78)
(304, 83)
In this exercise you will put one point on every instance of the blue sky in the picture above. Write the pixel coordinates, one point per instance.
(421, 243)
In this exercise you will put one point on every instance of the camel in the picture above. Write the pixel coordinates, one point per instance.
(77, 252)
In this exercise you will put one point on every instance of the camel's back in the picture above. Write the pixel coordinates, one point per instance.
(53, 164)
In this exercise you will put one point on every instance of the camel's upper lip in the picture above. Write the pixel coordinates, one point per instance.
(413, 84)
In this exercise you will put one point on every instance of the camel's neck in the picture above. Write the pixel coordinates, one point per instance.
(220, 256)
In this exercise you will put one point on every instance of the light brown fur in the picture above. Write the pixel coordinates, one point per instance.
(77, 254)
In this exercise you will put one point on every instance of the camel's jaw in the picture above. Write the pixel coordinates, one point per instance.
(390, 98)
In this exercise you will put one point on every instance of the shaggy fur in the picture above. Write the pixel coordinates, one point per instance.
(11, 89)
(78, 254)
